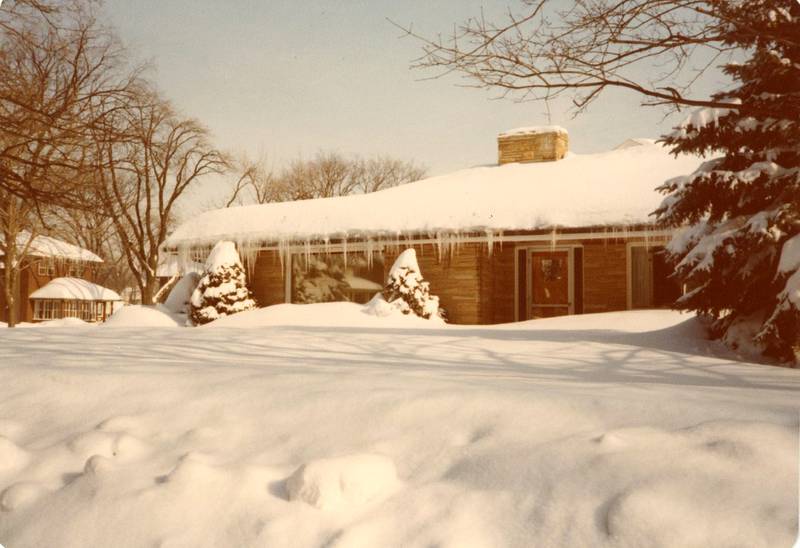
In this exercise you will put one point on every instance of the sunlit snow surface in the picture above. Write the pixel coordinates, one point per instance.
(623, 429)
(614, 189)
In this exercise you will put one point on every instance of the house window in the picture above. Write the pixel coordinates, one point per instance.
(70, 309)
(46, 267)
(46, 309)
(74, 269)
(651, 282)
(86, 310)
(327, 278)
(98, 311)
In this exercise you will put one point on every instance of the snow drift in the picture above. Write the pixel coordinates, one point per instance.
(352, 480)
(609, 430)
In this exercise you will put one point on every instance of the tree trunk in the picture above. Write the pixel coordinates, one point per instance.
(9, 286)
(150, 289)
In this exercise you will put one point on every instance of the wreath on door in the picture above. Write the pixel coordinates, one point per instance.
(552, 269)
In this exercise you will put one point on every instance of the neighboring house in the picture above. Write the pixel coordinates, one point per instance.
(544, 233)
(56, 282)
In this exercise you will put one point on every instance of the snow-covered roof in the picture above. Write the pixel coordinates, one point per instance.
(533, 130)
(170, 265)
(628, 143)
(45, 246)
(74, 289)
(615, 188)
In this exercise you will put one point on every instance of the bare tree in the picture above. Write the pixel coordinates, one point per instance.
(17, 235)
(547, 50)
(323, 176)
(92, 229)
(143, 175)
(383, 172)
(61, 74)
(255, 184)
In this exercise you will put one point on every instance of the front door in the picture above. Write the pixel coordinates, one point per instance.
(549, 276)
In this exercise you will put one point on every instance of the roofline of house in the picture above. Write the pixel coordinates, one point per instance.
(509, 236)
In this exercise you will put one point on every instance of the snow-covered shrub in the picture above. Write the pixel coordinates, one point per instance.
(739, 245)
(222, 290)
(406, 290)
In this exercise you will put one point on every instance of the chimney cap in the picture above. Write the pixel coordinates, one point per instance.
(533, 130)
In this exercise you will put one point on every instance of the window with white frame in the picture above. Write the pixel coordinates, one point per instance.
(46, 267)
(86, 310)
(70, 309)
(74, 269)
(46, 309)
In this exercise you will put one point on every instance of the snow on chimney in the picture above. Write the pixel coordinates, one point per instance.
(532, 144)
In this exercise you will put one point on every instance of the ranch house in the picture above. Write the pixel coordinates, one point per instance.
(544, 232)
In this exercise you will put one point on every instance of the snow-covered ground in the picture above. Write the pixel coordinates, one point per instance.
(319, 425)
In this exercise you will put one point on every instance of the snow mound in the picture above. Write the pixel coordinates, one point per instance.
(97, 465)
(21, 494)
(63, 322)
(179, 298)
(333, 314)
(380, 307)
(343, 481)
(144, 316)
(11, 455)
(191, 468)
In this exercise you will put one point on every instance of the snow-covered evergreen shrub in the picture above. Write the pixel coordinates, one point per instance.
(222, 290)
(408, 291)
(738, 249)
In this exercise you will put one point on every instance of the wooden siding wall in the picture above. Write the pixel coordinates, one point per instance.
(475, 288)
(498, 305)
(266, 279)
(605, 275)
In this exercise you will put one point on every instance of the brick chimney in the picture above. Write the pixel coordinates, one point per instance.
(532, 144)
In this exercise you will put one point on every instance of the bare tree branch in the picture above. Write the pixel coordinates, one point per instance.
(595, 45)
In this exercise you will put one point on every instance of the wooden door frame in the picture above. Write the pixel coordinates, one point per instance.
(531, 248)
(657, 242)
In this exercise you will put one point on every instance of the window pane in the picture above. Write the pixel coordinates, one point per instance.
(326, 278)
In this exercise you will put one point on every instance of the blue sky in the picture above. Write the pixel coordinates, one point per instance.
(289, 78)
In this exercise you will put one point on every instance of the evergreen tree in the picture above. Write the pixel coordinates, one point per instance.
(222, 290)
(738, 248)
(408, 290)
